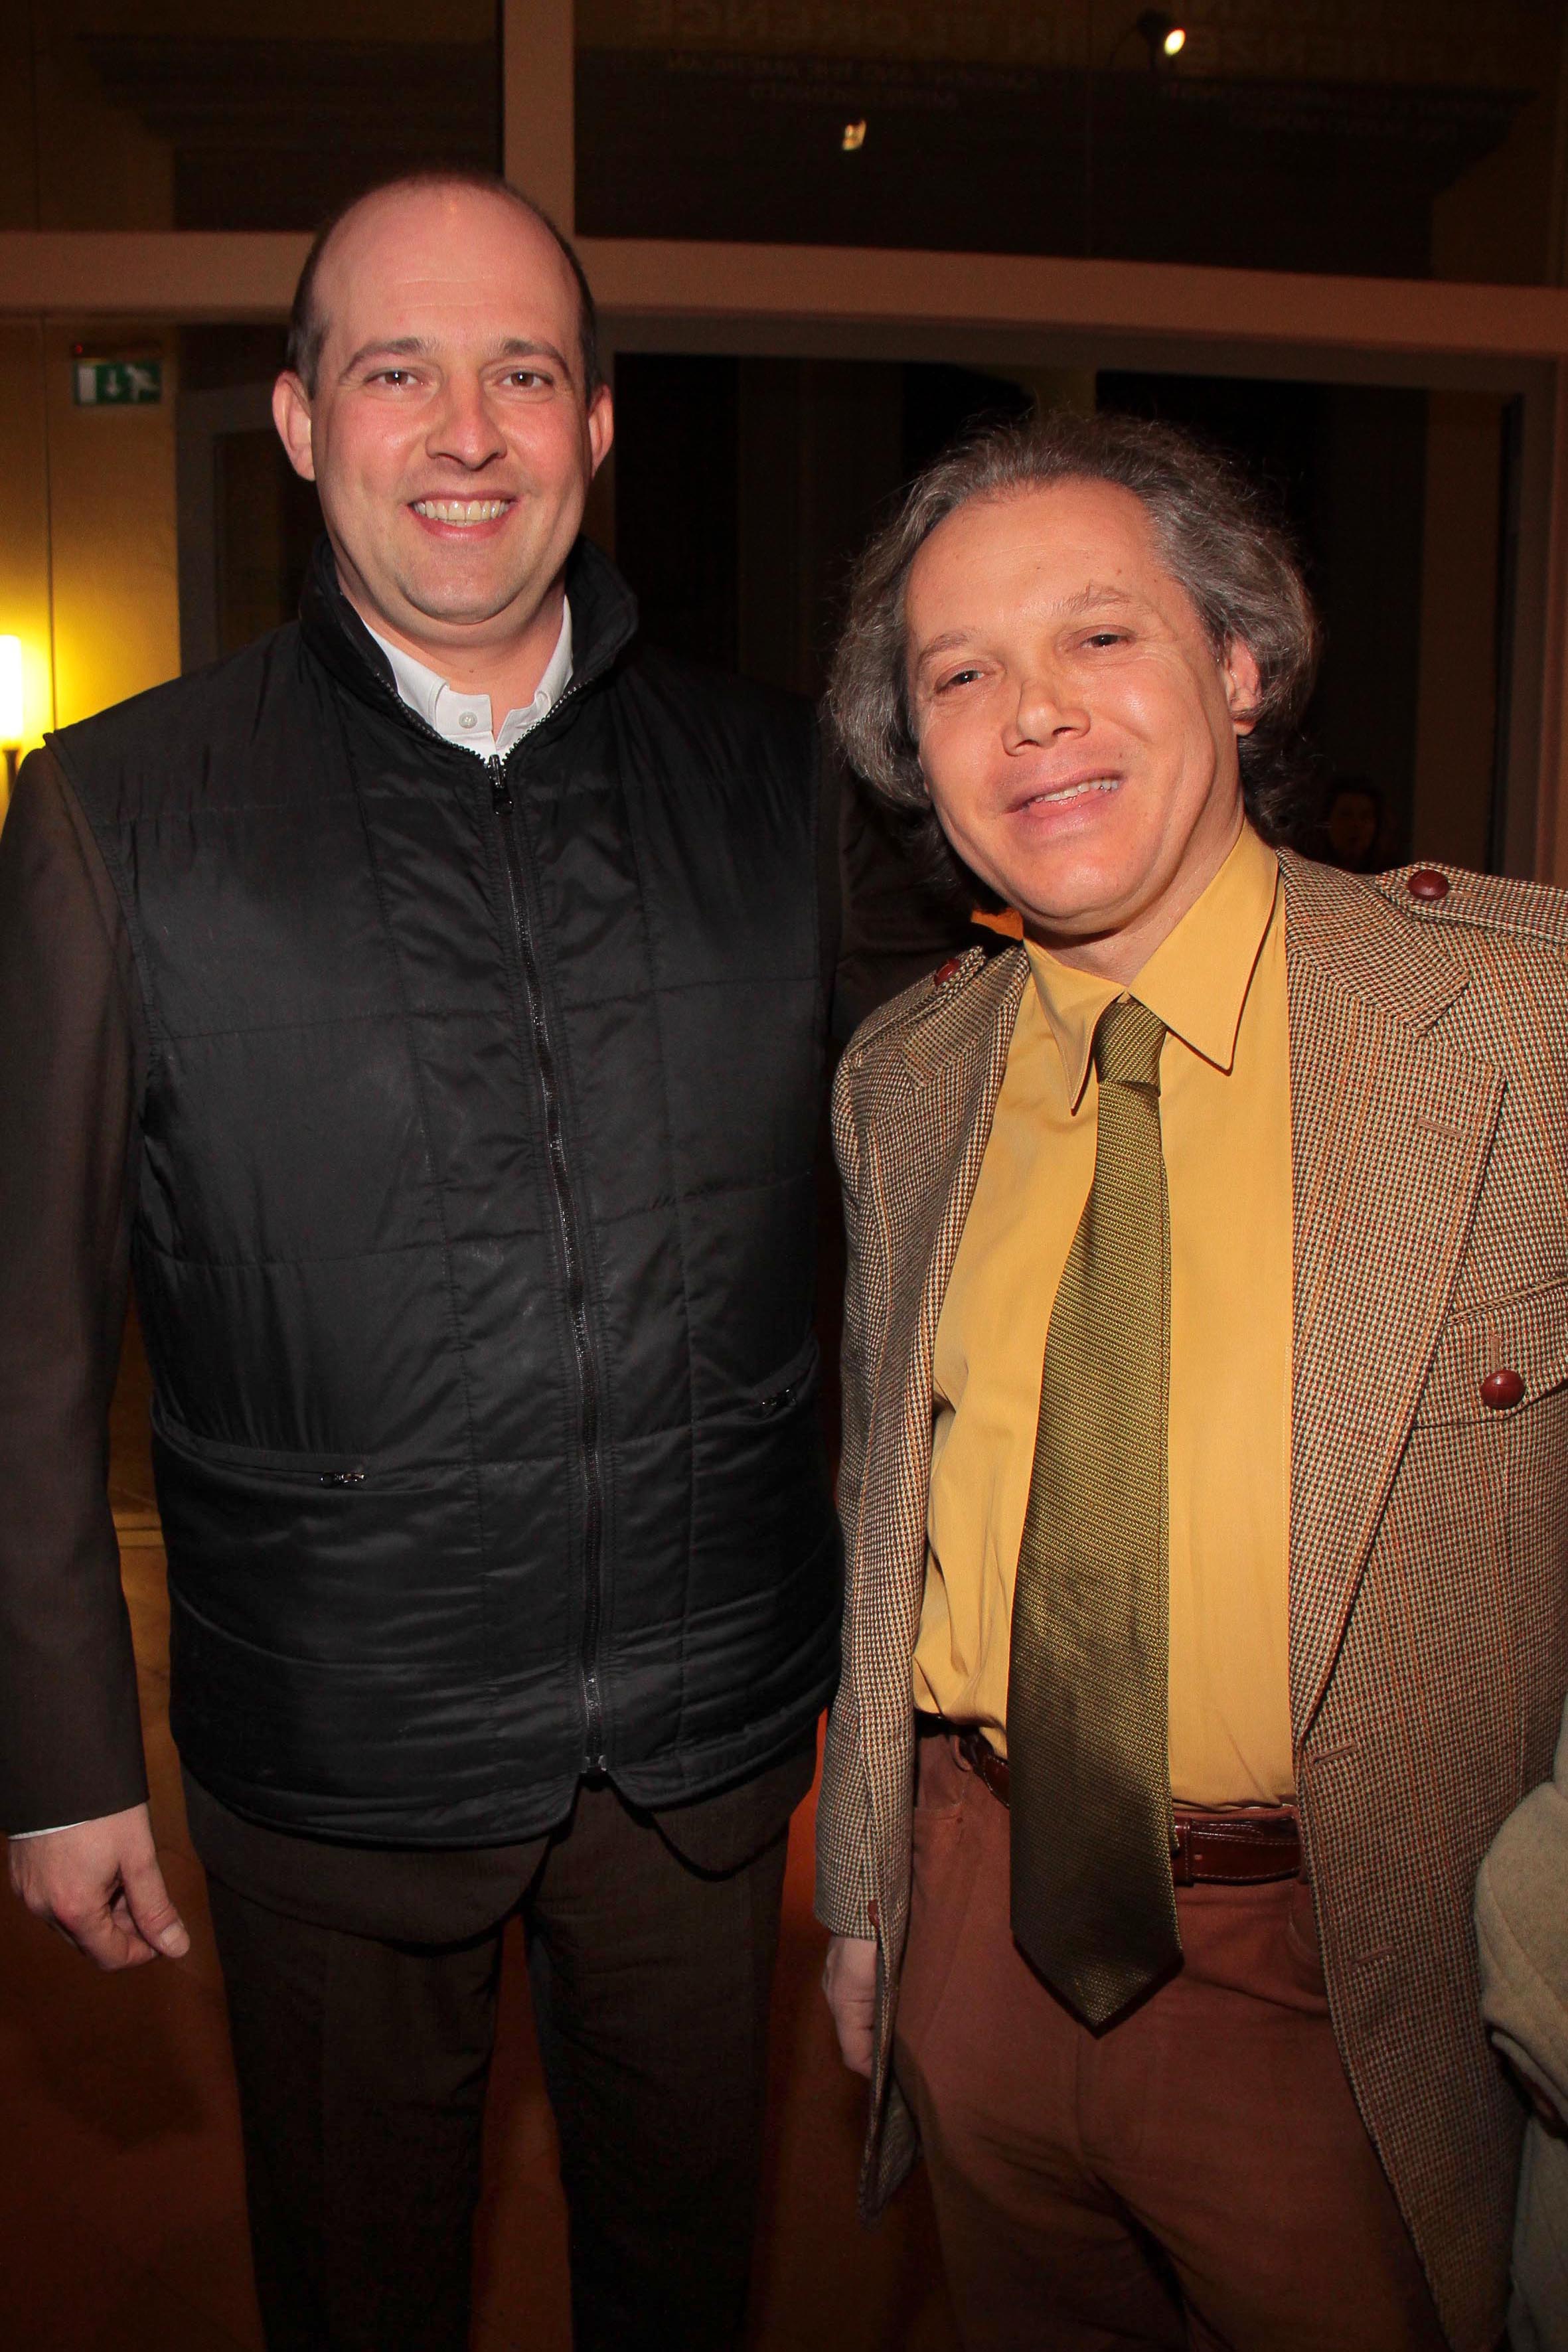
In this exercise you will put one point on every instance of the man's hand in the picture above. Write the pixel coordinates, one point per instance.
(849, 1980)
(100, 1886)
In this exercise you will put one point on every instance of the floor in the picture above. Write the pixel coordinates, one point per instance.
(121, 2219)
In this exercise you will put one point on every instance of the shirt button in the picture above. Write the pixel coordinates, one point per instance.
(1501, 1389)
(467, 717)
(1428, 883)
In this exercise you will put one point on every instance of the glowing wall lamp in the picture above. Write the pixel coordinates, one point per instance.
(1165, 39)
(11, 725)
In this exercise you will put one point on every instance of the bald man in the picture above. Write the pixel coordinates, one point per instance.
(425, 1008)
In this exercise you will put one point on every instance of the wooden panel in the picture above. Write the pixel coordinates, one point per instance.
(199, 274)
(1551, 863)
(538, 109)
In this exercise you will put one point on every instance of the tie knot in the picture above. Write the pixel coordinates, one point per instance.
(1128, 1042)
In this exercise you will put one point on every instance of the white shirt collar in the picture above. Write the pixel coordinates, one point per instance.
(466, 719)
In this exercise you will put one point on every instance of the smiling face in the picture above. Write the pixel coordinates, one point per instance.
(1077, 732)
(448, 433)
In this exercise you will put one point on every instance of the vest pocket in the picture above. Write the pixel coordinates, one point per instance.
(262, 1462)
(293, 1558)
(791, 1386)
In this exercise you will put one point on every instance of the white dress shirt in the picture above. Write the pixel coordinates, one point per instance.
(467, 718)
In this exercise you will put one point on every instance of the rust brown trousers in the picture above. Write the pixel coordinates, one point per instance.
(1428, 1525)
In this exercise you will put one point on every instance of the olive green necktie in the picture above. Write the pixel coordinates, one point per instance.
(1093, 1903)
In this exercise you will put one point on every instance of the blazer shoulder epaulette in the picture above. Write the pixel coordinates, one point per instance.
(884, 1034)
(1535, 913)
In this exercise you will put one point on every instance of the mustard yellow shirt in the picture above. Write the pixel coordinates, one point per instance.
(1218, 985)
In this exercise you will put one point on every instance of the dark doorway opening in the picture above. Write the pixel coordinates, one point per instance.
(744, 488)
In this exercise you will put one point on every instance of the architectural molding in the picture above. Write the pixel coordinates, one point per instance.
(211, 275)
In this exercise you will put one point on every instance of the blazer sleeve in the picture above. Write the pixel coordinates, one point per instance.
(844, 1803)
(72, 1057)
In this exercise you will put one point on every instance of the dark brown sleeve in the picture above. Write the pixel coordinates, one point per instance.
(72, 1060)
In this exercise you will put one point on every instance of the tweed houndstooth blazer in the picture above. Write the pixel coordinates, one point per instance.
(1428, 1533)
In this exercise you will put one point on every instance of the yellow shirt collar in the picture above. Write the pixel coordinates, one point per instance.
(1197, 982)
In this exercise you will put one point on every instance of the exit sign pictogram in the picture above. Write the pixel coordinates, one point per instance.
(117, 384)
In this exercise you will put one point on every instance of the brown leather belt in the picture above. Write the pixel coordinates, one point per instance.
(1211, 1849)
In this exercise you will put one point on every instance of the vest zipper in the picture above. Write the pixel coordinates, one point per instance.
(572, 1254)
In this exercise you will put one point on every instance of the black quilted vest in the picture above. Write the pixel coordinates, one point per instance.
(473, 1248)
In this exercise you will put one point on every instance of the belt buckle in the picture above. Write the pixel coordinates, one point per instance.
(1180, 1851)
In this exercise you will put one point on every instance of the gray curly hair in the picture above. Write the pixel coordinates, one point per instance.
(1219, 538)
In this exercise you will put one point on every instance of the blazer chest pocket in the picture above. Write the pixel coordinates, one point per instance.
(1493, 1362)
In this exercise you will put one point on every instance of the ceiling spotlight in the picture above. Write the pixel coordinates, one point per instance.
(854, 137)
(1165, 38)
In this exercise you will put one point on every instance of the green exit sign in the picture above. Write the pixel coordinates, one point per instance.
(117, 384)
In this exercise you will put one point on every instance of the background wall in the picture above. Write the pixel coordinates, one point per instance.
(1457, 700)
(116, 598)
(25, 541)
(88, 572)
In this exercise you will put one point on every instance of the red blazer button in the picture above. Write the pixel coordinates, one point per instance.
(945, 972)
(1502, 1387)
(1428, 883)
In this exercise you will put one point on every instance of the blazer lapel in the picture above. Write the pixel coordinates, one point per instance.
(1391, 1130)
(952, 1098)
(954, 1065)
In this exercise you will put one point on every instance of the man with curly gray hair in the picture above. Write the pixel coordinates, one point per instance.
(1206, 1405)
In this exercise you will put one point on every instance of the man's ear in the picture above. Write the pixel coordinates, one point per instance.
(1243, 685)
(291, 415)
(601, 425)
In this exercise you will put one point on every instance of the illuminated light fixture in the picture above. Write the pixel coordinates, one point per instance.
(1165, 38)
(13, 726)
(854, 137)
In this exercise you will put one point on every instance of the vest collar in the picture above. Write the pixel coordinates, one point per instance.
(604, 622)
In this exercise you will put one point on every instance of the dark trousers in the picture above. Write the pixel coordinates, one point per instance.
(363, 2065)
